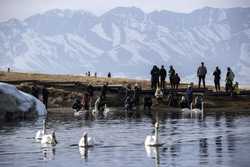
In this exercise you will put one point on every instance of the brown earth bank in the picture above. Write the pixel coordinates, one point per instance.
(63, 89)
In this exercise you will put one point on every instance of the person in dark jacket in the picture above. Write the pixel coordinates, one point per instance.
(136, 95)
(45, 94)
(229, 80)
(86, 101)
(163, 74)
(171, 74)
(189, 94)
(148, 102)
(183, 102)
(155, 72)
(90, 90)
(35, 91)
(104, 90)
(177, 80)
(217, 74)
(128, 103)
(109, 75)
(77, 105)
(201, 73)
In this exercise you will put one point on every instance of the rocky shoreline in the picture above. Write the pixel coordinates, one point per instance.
(62, 93)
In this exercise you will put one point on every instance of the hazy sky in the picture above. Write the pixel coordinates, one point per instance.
(23, 8)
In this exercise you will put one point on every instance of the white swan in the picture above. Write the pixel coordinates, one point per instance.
(194, 110)
(40, 133)
(49, 139)
(199, 111)
(80, 113)
(108, 112)
(153, 140)
(187, 111)
(86, 141)
(95, 111)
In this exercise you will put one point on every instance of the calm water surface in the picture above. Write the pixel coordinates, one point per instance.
(218, 140)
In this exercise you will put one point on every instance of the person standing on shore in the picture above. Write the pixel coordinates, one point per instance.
(217, 74)
(109, 75)
(154, 77)
(177, 80)
(171, 74)
(201, 73)
(229, 80)
(163, 74)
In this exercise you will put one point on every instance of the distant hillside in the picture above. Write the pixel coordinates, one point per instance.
(128, 41)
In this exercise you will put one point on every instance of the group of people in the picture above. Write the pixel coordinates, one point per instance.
(85, 102)
(41, 94)
(229, 87)
(88, 74)
(158, 77)
(132, 96)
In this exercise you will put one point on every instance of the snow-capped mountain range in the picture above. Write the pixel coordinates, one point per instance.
(127, 41)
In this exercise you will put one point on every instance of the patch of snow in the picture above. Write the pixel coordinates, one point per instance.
(25, 100)
(99, 31)
(116, 35)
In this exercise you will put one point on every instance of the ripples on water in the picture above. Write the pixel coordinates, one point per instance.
(218, 140)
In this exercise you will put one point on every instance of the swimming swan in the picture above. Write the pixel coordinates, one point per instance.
(49, 139)
(153, 140)
(86, 141)
(40, 133)
(197, 110)
(80, 113)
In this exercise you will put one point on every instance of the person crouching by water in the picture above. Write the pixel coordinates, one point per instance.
(77, 105)
(189, 94)
(128, 103)
(99, 104)
(198, 102)
(183, 102)
(90, 90)
(86, 101)
(148, 102)
(158, 95)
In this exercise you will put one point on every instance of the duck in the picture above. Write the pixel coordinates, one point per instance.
(86, 141)
(40, 133)
(153, 140)
(49, 139)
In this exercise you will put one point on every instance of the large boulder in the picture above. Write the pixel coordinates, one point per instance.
(15, 103)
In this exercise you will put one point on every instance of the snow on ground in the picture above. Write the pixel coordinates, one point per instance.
(25, 101)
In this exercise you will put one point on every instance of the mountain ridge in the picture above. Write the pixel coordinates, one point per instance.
(127, 41)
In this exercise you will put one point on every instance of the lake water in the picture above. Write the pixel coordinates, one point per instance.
(217, 140)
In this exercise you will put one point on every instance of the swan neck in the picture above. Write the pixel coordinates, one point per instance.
(44, 127)
(157, 133)
(85, 139)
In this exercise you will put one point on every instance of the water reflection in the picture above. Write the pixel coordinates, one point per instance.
(217, 140)
(49, 153)
(154, 152)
